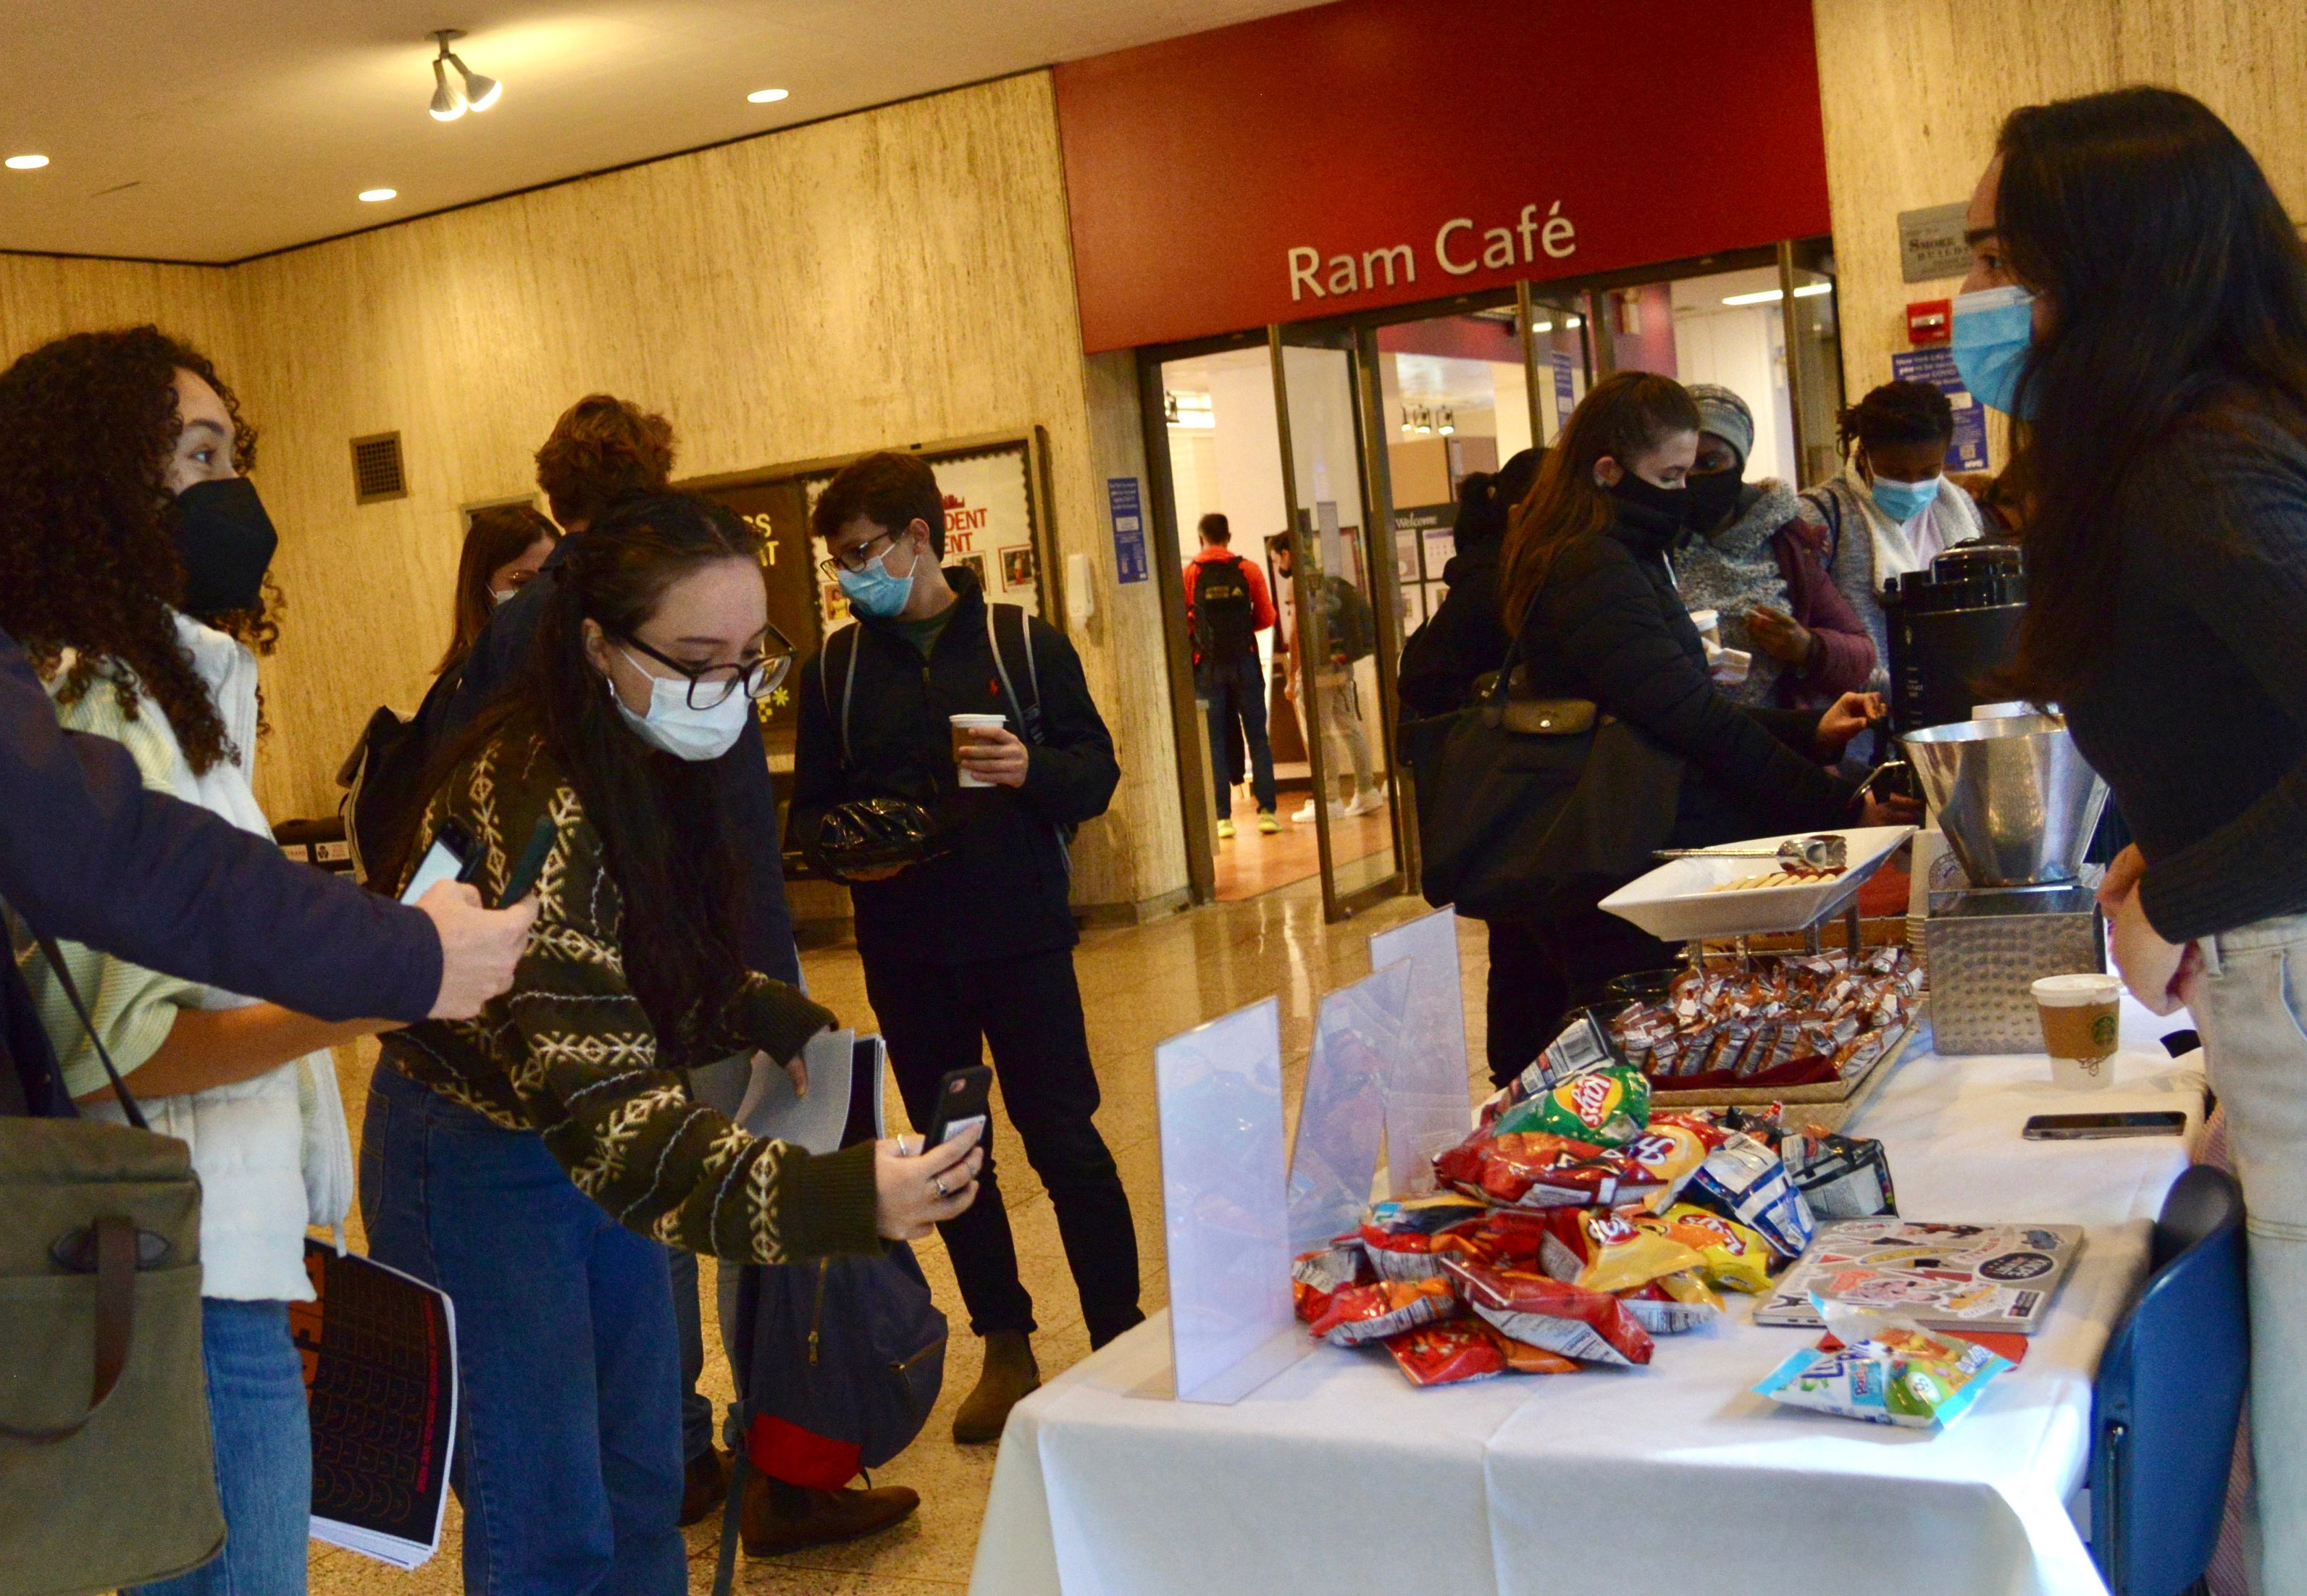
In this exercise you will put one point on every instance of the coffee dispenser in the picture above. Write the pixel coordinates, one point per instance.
(1949, 623)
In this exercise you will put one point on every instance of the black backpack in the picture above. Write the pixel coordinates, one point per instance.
(1225, 620)
(1354, 628)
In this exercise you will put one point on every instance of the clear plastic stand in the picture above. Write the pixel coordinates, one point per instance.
(1225, 1207)
(1428, 1105)
(1356, 1041)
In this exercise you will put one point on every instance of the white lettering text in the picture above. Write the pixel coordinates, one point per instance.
(1558, 231)
(1302, 262)
(1441, 246)
(1369, 267)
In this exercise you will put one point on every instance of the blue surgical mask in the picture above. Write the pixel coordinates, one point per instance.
(1903, 501)
(874, 591)
(670, 724)
(1992, 329)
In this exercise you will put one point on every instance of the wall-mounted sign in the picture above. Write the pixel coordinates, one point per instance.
(1967, 451)
(1125, 502)
(1931, 243)
(1253, 174)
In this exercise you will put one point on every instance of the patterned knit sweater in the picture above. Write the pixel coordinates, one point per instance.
(569, 1053)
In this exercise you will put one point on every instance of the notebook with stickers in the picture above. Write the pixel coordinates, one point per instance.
(1953, 1277)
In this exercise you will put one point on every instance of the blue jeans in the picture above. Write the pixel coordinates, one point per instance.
(569, 1446)
(263, 1453)
(1235, 689)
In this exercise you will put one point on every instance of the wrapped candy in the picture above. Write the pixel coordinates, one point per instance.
(1888, 1370)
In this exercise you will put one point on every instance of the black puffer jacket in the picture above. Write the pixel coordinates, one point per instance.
(1004, 891)
(1608, 626)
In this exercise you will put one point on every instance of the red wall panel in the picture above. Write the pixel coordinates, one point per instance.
(1354, 132)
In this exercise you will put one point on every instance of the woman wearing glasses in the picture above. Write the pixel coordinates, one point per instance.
(528, 1162)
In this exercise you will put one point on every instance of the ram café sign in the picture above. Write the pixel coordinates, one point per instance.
(1497, 249)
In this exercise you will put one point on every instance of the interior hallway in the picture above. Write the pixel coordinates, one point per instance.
(1139, 984)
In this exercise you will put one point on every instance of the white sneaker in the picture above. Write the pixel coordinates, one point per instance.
(1305, 814)
(1365, 803)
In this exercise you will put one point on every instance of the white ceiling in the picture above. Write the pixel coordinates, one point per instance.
(213, 132)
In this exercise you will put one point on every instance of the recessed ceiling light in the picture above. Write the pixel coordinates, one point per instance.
(377, 196)
(763, 96)
(27, 163)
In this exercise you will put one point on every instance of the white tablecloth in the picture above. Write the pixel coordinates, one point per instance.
(1340, 1474)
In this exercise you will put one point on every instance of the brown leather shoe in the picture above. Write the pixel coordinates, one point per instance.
(1010, 1376)
(704, 1485)
(779, 1518)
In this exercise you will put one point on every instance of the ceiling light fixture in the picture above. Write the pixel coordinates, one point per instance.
(763, 96)
(27, 163)
(1771, 296)
(1447, 424)
(467, 91)
(377, 196)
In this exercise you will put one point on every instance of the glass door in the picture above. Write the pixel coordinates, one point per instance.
(1341, 624)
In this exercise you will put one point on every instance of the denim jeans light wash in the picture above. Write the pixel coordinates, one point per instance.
(2251, 1004)
(569, 1448)
(263, 1453)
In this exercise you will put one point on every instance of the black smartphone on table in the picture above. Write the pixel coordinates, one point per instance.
(963, 1099)
(2103, 1127)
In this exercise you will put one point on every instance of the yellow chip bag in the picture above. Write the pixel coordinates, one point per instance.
(1621, 1253)
(1732, 1256)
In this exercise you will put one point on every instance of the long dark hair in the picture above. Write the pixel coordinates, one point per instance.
(1621, 416)
(88, 546)
(2178, 298)
(664, 832)
(498, 535)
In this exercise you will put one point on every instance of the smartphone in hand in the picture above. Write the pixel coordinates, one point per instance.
(963, 1099)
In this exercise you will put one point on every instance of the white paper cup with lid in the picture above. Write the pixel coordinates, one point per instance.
(2082, 1026)
(962, 727)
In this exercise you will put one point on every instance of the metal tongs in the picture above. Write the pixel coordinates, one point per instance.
(1829, 850)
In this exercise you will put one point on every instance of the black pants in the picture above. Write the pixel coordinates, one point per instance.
(1540, 972)
(1028, 1011)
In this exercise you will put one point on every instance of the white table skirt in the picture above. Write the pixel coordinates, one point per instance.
(1340, 1474)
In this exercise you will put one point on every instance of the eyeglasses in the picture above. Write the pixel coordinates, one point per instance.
(854, 560)
(712, 686)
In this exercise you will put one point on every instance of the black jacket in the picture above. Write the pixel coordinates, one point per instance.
(87, 852)
(1608, 626)
(497, 657)
(1004, 891)
(1461, 641)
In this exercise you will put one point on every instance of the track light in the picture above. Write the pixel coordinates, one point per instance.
(468, 91)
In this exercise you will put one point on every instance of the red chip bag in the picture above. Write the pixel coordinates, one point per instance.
(1500, 1168)
(1446, 1354)
(1552, 1314)
(1360, 1313)
(1521, 1358)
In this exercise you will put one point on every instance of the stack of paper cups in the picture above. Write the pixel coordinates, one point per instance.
(1933, 869)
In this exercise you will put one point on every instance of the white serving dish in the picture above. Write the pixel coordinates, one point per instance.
(1675, 902)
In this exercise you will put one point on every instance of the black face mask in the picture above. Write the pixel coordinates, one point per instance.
(227, 541)
(1663, 501)
(1712, 496)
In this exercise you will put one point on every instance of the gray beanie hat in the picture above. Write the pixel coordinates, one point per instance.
(1725, 415)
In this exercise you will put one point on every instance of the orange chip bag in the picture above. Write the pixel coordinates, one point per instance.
(1668, 1152)
(1621, 1254)
(1521, 1358)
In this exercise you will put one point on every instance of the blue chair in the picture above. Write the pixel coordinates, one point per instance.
(2168, 1396)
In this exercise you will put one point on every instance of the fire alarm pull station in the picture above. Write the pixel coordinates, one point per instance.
(1930, 322)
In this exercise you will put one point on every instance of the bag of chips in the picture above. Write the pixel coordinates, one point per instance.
(1621, 1254)
(1360, 1313)
(1667, 1154)
(1447, 1354)
(1586, 1044)
(1673, 1303)
(1743, 1180)
(1315, 1276)
(1736, 1257)
(1495, 1169)
(1841, 1177)
(1552, 1315)
(1404, 1241)
(1888, 1370)
(1609, 1106)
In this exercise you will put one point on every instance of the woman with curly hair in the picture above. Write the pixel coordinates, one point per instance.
(133, 554)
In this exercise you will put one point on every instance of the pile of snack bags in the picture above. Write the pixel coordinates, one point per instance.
(1574, 1225)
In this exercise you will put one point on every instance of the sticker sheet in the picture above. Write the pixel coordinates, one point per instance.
(1952, 1277)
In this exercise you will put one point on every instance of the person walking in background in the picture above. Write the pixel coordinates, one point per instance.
(534, 1162)
(1349, 631)
(1752, 559)
(1462, 642)
(1589, 590)
(121, 600)
(2137, 296)
(970, 945)
(1227, 606)
(505, 545)
(1891, 509)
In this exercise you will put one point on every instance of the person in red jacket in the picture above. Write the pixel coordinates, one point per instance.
(1227, 606)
